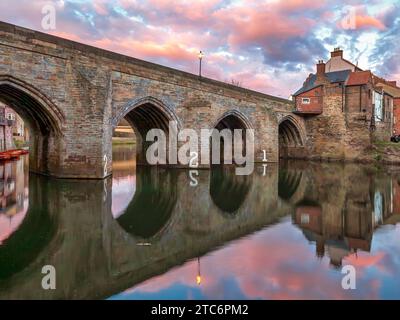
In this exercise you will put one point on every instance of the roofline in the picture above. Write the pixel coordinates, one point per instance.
(295, 95)
(74, 45)
(349, 63)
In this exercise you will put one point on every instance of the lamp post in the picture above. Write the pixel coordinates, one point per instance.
(201, 55)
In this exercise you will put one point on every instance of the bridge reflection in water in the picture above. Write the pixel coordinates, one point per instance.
(262, 236)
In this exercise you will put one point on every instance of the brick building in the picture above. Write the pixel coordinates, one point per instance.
(346, 109)
(392, 89)
(7, 120)
(12, 128)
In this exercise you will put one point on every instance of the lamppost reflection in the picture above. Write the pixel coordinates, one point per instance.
(198, 277)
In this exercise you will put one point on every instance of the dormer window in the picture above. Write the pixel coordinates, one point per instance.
(305, 100)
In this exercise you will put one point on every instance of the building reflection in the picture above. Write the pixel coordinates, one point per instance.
(13, 197)
(26, 227)
(342, 223)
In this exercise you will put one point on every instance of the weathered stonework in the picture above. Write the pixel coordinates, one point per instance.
(72, 96)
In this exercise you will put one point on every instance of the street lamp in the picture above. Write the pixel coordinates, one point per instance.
(201, 55)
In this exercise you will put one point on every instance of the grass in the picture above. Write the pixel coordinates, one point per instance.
(120, 141)
(387, 144)
(20, 144)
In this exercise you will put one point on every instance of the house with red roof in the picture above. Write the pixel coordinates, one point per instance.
(346, 108)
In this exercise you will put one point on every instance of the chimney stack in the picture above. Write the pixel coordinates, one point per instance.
(337, 52)
(320, 69)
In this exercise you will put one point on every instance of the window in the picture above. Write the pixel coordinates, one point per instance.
(379, 110)
(10, 116)
(305, 218)
(305, 100)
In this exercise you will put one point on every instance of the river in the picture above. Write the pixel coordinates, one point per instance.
(285, 232)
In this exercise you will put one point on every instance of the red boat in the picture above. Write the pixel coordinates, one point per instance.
(12, 154)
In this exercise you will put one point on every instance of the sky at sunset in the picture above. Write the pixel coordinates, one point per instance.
(269, 46)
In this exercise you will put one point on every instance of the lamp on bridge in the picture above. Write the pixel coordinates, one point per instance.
(201, 56)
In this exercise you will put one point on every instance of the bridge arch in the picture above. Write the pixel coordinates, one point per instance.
(143, 115)
(291, 137)
(227, 118)
(231, 120)
(42, 118)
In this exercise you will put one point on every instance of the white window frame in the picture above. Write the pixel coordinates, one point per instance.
(305, 100)
(10, 116)
(305, 218)
(378, 104)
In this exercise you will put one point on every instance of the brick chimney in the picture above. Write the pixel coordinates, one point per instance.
(320, 69)
(337, 52)
(321, 78)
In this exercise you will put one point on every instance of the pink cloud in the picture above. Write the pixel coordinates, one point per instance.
(366, 22)
(277, 263)
(362, 20)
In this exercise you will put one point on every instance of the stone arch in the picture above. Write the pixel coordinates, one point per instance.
(246, 123)
(135, 103)
(291, 138)
(143, 115)
(42, 117)
(231, 120)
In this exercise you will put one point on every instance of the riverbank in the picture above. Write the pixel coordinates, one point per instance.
(386, 152)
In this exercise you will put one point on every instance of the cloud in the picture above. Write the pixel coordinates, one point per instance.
(279, 263)
(277, 42)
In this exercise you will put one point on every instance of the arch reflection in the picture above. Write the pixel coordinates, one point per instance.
(30, 227)
(288, 182)
(152, 205)
(228, 190)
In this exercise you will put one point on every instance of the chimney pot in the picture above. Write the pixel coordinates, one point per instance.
(337, 52)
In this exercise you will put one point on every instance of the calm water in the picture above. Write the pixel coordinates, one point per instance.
(173, 234)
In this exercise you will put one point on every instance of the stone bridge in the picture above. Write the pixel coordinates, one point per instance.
(72, 96)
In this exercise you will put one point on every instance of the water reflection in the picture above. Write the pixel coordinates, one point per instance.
(228, 190)
(26, 227)
(13, 197)
(280, 233)
(151, 207)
